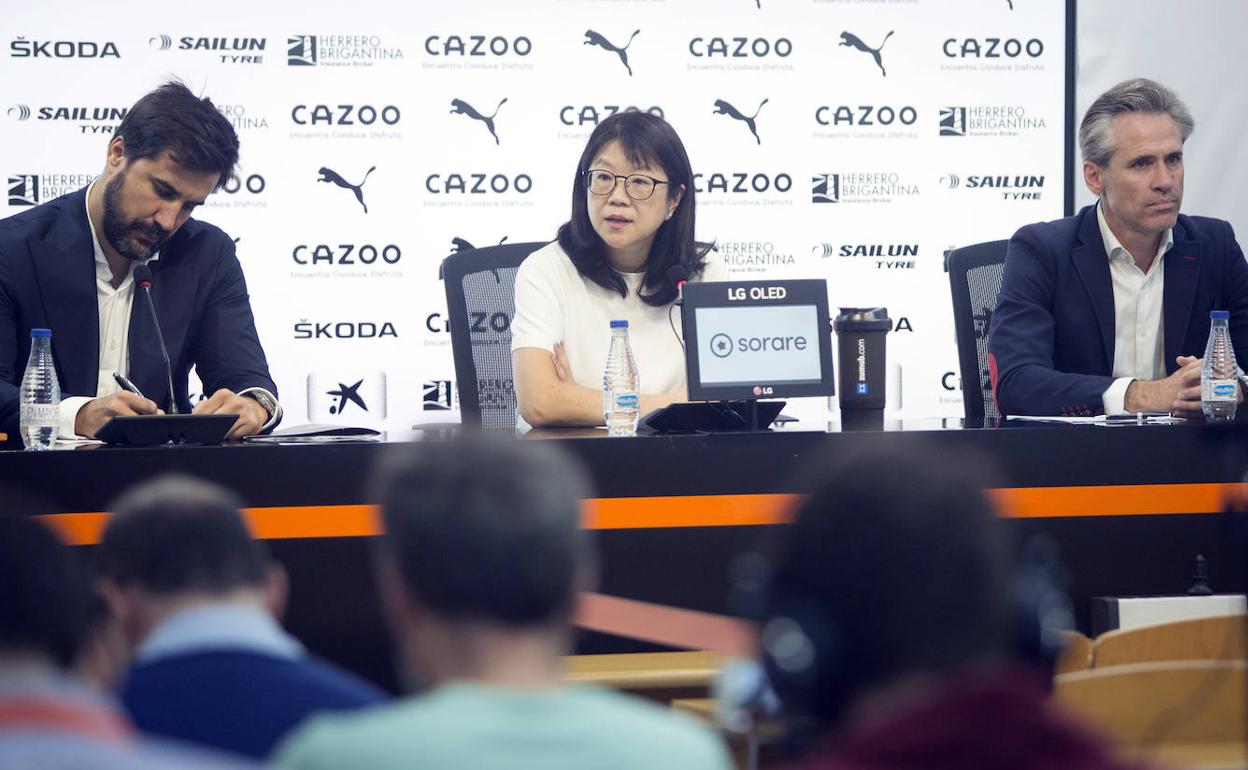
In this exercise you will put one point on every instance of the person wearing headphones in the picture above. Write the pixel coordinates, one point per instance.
(628, 243)
(892, 627)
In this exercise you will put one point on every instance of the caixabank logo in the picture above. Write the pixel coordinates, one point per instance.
(857, 187)
(476, 50)
(34, 189)
(747, 257)
(82, 119)
(983, 120)
(347, 396)
(338, 120)
(346, 258)
(743, 187)
(1010, 187)
(992, 53)
(877, 254)
(341, 51)
(38, 49)
(739, 53)
(866, 121)
(222, 50)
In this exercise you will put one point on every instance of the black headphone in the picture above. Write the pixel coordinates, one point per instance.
(813, 662)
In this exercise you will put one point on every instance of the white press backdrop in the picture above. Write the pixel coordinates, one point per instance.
(859, 172)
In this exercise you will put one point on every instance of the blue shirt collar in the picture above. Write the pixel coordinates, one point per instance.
(219, 626)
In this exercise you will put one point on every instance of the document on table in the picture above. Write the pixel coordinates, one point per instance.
(1141, 418)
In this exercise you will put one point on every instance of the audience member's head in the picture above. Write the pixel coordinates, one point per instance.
(482, 555)
(895, 570)
(176, 542)
(45, 612)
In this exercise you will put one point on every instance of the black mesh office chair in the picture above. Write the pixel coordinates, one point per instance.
(480, 302)
(975, 280)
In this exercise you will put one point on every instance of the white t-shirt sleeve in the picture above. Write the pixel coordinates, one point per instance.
(539, 318)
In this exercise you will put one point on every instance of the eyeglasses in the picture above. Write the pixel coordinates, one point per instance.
(638, 186)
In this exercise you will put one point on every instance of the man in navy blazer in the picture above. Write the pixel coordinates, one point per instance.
(198, 601)
(68, 265)
(1108, 310)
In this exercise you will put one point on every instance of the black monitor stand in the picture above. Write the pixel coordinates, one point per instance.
(748, 415)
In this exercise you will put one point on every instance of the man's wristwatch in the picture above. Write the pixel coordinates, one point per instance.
(265, 401)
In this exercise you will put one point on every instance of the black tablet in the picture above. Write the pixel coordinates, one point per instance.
(155, 429)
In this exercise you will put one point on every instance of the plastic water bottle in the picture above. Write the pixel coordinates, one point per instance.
(40, 395)
(621, 387)
(1218, 393)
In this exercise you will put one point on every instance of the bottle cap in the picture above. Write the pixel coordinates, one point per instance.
(1219, 314)
(619, 324)
(41, 333)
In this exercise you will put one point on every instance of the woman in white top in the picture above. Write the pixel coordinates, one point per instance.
(629, 242)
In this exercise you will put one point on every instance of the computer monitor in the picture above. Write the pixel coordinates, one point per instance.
(757, 339)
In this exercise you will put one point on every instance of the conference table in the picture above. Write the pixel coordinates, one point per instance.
(1129, 506)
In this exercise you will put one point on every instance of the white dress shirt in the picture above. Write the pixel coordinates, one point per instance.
(1139, 329)
(114, 306)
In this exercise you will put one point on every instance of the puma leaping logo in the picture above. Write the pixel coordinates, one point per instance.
(850, 39)
(724, 108)
(329, 175)
(461, 107)
(593, 38)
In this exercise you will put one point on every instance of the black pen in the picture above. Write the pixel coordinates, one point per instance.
(1136, 417)
(127, 384)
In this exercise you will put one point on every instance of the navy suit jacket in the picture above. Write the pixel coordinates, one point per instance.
(1051, 338)
(47, 279)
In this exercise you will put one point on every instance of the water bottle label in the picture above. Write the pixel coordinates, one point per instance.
(627, 401)
(1219, 390)
(42, 414)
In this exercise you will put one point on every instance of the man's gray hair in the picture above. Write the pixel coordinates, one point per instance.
(1096, 141)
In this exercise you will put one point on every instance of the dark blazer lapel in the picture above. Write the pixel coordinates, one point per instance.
(1182, 266)
(1092, 264)
(64, 266)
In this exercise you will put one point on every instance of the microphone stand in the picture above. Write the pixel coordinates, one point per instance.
(164, 352)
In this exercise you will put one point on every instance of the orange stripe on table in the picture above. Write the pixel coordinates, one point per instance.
(309, 521)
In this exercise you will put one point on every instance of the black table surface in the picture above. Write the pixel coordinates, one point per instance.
(333, 607)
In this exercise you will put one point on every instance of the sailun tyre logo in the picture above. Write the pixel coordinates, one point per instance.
(19, 112)
(951, 181)
(163, 42)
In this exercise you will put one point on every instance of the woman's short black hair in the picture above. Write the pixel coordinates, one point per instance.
(646, 140)
(191, 128)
